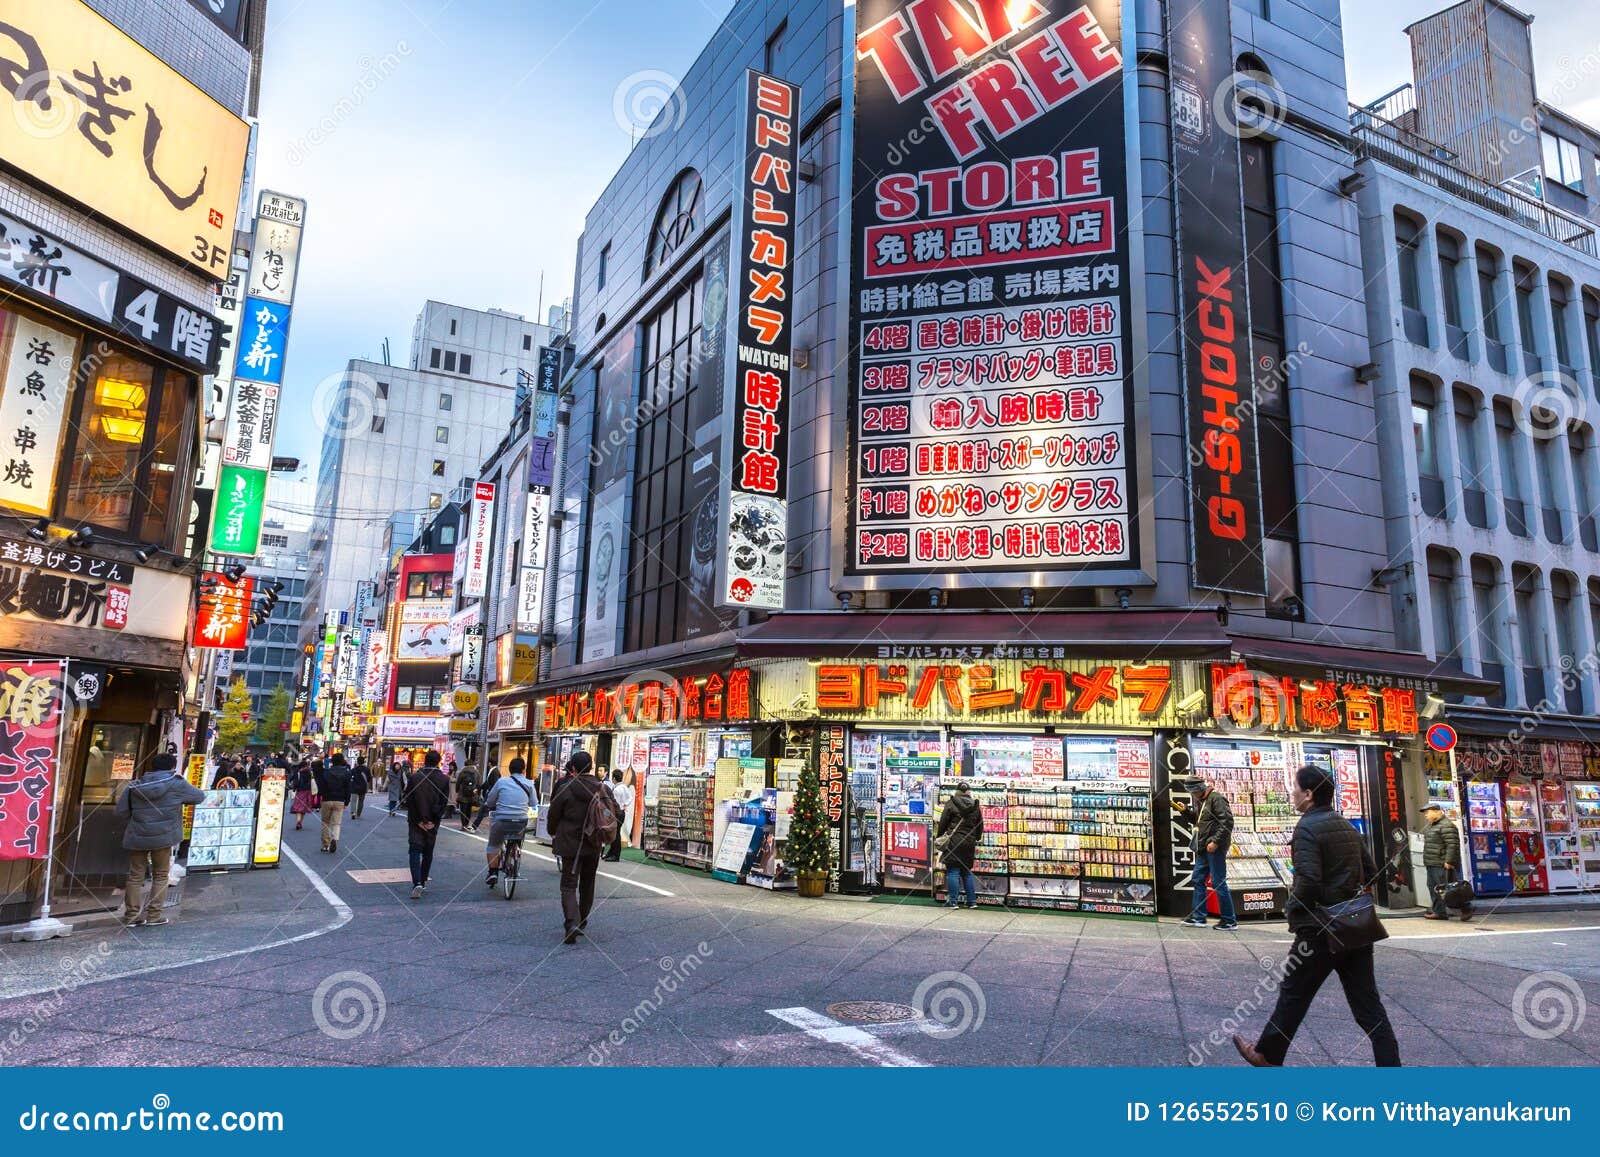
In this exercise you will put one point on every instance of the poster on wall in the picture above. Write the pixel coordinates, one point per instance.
(602, 609)
(1214, 303)
(39, 363)
(992, 417)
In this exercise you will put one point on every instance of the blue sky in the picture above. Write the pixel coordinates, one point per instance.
(449, 148)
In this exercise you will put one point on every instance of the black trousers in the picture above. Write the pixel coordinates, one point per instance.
(1438, 876)
(1309, 965)
(358, 804)
(577, 885)
(421, 848)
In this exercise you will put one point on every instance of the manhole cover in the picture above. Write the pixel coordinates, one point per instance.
(872, 1011)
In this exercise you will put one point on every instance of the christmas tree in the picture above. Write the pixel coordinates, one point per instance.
(808, 832)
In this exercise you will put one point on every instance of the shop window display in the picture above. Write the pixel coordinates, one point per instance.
(1253, 778)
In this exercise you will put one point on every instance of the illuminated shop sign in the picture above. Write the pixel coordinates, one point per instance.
(691, 699)
(1248, 698)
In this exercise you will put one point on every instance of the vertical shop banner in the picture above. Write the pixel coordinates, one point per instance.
(375, 674)
(240, 506)
(831, 771)
(39, 363)
(229, 311)
(30, 706)
(535, 556)
(475, 577)
(222, 621)
(754, 557)
(992, 416)
(1214, 303)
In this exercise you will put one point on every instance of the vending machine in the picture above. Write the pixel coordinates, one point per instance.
(1488, 855)
(1585, 796)
(1524, 838)
(1560, 837)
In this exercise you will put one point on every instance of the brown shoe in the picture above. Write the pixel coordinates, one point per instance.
(1250, 1053)
(1433, 916)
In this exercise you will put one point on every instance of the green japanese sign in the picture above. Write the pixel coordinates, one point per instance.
(236, 515)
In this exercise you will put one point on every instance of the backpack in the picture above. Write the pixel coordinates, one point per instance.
(600, 822)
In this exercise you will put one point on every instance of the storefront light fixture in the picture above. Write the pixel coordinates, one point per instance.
(40, 531)
(129, 430)
(83, 536)
(1431, 706)
(115, 392)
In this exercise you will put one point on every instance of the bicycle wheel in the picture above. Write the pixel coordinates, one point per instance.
(509, 861)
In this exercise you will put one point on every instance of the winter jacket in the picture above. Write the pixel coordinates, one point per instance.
(299, 779)
(1331, 864)
(510, 798)
(569, 808)
(153, 805)
(466, 787)
(1441, 844)
(360, 779)
(426, 796)
(962, 820)
(1213, 822)
(333, 783)
(397, 783)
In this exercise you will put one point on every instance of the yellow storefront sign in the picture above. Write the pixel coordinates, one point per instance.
(89, 112)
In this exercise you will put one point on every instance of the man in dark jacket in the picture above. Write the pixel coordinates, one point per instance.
(1331, 865)
(1212, 818)
(427, 796)
(1441, 859)
(360, 783)
(333, 784)
(488, 785)
(579, 859)
(153, 807)
(961, 826)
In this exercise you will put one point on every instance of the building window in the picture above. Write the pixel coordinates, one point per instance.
(433, 357)
(1563, 163)
(377, 424)
(1494, 334)
(1569, 628)
(466, 364)
(1548, 462)
(447, 535)
(1442, 603)
(1584, 493)
(450, 361)
(1560, 319)
(663, 539)
(1591, 336)
(677, 220)
(435, 501)
(1508, 443)
(452, 327)
(1530, 632)
(1408, 243)
(605, 260)
(1424, 405)
(1527, 282)
(1450, 294)
(445, 401)
(441, 434)
(1489, 612)
(438, 467)
(527, 342)
(1470, 457)
(772, 56)
(383, 391)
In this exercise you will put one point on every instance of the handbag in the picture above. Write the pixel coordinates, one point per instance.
(1351, 924)
(1457, 893)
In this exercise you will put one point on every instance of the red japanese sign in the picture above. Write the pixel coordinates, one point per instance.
(753, 551)
(831, 771)
(691, 699)
(223, 622)
(1251, 698)
(906, 841)
(1069, 692)
(30, 707)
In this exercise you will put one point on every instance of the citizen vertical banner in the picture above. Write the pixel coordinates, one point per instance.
(1214, 304)
(991, 416)
(754, 548)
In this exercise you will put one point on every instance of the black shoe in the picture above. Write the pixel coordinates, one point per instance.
(611, 859)
(1227, 926)
(1191, 922)
(572, 935)
(334, 847)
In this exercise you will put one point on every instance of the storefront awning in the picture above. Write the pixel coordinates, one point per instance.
(1318, 660)
(1517, 725)
(1131, 634)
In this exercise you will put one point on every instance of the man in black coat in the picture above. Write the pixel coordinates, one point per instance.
(1441, 859)
(1212, 817)
(333, 785)
(961, 827)
(1331, 865)
(579, 859)
(427, 795)
(360, 784)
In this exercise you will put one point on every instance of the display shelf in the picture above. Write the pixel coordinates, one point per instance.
(678, 824)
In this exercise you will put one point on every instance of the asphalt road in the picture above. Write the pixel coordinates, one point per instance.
(326, 967)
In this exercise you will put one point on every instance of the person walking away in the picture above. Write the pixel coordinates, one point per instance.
(466, 795)
(623, 794)
(1212, 817)
(396, 786)
(488, 786)
(508, 803)
(153, 807)
(1441, 859)
(961, 829)
(360, 783)
(1331, 865)
(426, 798)
(333, 785)
(579, 806)
(300, 793)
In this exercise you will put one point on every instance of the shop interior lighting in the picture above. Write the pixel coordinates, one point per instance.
(129, 430)
(114, 392)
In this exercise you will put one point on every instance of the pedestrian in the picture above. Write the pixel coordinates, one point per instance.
(488, 786)
(360, 781)
(1212, 817)
(153, 807)
(1441, 860)
(623, 794)
(960, 831)
(427, 797)
(300, 787)
(579, 806)
(396, 786)
(508, 803)
(333, 785)
(466, 795)
(1331, 865)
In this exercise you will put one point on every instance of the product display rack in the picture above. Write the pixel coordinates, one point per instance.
(678, 827)
(1044, 847)
(1116, 857)
(989, 864)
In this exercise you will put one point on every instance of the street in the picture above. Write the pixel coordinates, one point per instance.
(680, 969)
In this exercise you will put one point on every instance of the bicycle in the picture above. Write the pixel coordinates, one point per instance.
(510, 860)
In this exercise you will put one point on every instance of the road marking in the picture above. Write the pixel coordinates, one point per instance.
(1400, 940)
(553, 860)
(379, 875)
(857, 1040)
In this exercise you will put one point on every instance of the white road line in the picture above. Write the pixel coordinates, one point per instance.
(317, 882)
(857, 1040)
(1400, 941)
(552, 860)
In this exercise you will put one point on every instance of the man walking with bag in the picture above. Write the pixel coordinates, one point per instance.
(582, 821)
(1331, 866)
(1441, 859)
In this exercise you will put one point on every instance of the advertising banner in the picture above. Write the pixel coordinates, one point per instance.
(535, 556)
(375, 672)
(30, 706)
(475, 580)
(39, 363)
(112, 127)
(603, 610)
(223, 619)
(992, 422)
(241, 505)
(753, 559)
(422, 641)
(1214, 302)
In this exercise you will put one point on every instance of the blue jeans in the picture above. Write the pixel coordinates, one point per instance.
(1212, 866)
(954, 880)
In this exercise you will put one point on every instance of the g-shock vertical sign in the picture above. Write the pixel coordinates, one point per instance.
(991, 421)
(1218, 375)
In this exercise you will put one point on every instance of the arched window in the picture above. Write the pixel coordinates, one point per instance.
(677, 221)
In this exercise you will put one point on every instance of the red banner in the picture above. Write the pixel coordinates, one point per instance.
(30, 706)
(223, 622)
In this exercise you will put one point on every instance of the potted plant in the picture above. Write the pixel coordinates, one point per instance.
(807, 852)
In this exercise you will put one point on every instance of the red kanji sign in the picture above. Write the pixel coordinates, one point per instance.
(223, 622)
(30, 706)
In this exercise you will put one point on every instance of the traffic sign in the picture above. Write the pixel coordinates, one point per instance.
(1441, 736)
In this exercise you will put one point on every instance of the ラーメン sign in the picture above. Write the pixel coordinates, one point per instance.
(992, 419)
(92, 114)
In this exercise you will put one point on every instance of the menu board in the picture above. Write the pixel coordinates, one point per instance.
(223, 824)
(269, 821)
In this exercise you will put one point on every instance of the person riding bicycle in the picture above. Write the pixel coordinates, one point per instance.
(507, 803)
